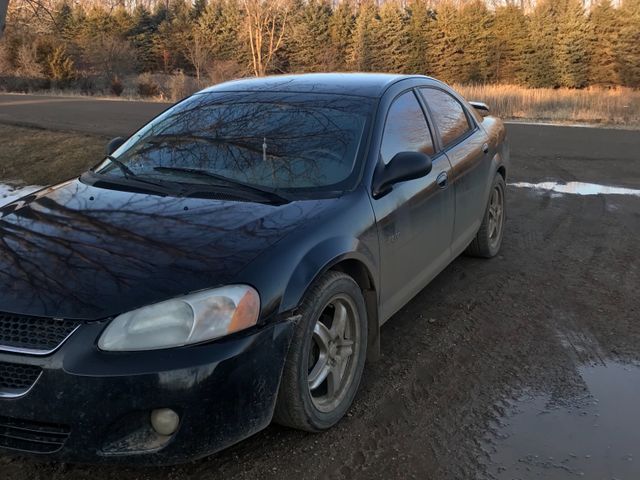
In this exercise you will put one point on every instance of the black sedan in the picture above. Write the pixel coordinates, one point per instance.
(230, 264)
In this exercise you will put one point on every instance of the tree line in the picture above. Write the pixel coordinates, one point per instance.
(553, 43)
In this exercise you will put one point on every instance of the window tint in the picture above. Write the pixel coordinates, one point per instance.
(406, 129)
(448, 115)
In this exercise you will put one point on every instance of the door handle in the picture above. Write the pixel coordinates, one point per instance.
(485, 148)
(443, 180)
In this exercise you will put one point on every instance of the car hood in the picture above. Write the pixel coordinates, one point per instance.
(81, 252)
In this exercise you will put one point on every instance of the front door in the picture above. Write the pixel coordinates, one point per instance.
(415, 220)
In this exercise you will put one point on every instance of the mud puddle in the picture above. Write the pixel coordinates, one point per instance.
(590, 436)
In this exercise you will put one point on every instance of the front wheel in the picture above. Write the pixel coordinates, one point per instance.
(327, 355)
(489, 237)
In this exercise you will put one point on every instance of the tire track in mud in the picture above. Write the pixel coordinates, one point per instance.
(408, 405)
(566, 254)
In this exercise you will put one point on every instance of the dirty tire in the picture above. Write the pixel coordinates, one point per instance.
(487, 242)
(298, 404)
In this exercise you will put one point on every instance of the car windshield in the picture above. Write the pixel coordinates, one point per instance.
(271, 140)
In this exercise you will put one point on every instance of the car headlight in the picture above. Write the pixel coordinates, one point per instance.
(194, 318)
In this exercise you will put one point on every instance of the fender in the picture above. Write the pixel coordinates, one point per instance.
(283, 274)
(319, 260)
(339, 252)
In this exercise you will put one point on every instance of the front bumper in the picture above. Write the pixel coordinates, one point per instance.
(90, 406)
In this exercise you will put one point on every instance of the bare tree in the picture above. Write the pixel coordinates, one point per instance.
(109, 54)
(27, 10)
(266, 24)
(197, 52)
(28, 65)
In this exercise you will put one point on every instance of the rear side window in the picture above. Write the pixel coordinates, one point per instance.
(406, 129)
(448, 115)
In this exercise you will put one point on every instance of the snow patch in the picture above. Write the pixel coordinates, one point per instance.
(9, 193)
(578, 188)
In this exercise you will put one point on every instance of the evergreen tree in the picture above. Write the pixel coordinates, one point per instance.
(474, 42)
(63, 19)
(198, 8)
(160, 13)
(420, 37)
(141, 36)
(629, 46)
(60, 67)
(540, 62)
(509, 32)
(310, 37)
(99, 41)
(361, 50)
(462, 41)
(121, 21)
(571, 52)
(220, 25)
(390, 39)
(341, 27)
(446, 44)
(604, 23)
(168, 42)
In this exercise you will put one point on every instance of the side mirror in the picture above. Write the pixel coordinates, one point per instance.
(482, 108)
(402, 167)
(114, 144)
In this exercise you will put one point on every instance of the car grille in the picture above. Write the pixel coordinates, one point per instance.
(17, 379)
(32, 437)
(38, 335)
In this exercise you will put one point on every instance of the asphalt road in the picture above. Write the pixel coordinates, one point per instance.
(523, 366)
(103, 117)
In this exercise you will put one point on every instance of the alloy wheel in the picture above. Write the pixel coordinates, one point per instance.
(334, 349)
(496, 215)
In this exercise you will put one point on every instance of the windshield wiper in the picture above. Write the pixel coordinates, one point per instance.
(126, 171)
(129, 175)
(236, 183)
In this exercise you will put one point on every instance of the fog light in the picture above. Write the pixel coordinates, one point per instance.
(165, 421)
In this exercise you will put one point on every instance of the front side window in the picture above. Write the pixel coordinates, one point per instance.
(447, 113)
(274, 140)
(405, 129)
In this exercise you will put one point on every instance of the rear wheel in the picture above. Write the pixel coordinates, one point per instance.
(327, 355)
(489, 237)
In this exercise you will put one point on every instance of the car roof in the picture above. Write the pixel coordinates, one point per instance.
(359, 84)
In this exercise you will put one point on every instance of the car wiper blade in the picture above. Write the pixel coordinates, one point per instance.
(135, 181)
(126, 171)
(129, 175)
(236, 183)
(100, 179)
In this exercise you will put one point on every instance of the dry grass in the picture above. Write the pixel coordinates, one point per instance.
(619, 106)
(41, 157)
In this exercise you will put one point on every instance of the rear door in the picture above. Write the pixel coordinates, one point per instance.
(465, 144)
(415, 219)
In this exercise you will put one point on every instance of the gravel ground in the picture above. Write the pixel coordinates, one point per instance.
(460, 358)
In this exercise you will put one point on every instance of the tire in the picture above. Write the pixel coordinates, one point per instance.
(489, 237)
(304, 402)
